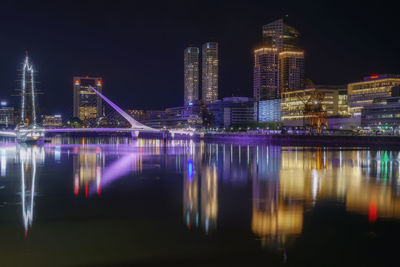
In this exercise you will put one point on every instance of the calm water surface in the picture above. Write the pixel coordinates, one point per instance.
(118, 202)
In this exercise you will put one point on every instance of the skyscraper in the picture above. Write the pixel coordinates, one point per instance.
(209, 72)
(278, 68)
(191, 75)
(266, 79)
(291, 71)
(87, 105)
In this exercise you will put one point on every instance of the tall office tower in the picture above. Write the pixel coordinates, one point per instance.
(291, 71)
(281, 36)
(87, 105)
(278, 68)
(210, 72)
(191, 75)
(266, 74)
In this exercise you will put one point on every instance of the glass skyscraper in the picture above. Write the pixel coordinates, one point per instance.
(278, 66)
(191, 75)
(209, 72)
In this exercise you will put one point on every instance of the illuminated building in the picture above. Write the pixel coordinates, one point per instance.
(333, 102)
(138, 114)
(209, 89)
(363, 93)
(51, 120)
(87, 104)
(191, 75)
(232, 110)
(266, 78)
(269, 110)
(278, 68)
(281, 36)
(7, 115)
(291, 70)
(383, 113)
(289, 55)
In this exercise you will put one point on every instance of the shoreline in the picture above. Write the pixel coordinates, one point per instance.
(311, 140)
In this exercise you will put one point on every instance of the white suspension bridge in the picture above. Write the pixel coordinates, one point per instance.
(28, 130)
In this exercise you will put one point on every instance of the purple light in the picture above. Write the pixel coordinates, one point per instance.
(116, 170)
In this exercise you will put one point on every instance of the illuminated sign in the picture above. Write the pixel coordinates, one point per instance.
(3, 103)
(372, 77)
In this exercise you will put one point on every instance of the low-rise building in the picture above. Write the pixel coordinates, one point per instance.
(8, 116)
(332, 98)
(232, 110)
(268, 110)
(51, 120)
(363, 93)
(176, 117)
(382, 113)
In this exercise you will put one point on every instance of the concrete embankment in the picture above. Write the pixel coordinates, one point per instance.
(306, 140)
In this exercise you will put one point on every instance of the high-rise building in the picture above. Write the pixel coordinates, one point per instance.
(191, 75)
(209, 72)
(291, 71)
(87, 104)
(266, 85)
(281, 36)
(278, 68)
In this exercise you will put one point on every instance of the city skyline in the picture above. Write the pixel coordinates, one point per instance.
(56, 56)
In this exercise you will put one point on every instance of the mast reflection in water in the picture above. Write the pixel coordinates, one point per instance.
(30, 158)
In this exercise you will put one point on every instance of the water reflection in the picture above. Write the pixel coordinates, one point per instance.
(284, 182)
(29, 159)
(287, 182)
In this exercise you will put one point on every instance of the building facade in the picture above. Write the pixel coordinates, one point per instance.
(333, 101)
(231, 110)
(266, 79)
(269, 110)
(191, 75)
(291, 70)
(8, 115)
(278, 67)
(382, 113)
(209, 72)
(52, 120)
(363, 93)
(87, 104)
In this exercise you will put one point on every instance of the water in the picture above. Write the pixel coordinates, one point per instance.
(118, 202)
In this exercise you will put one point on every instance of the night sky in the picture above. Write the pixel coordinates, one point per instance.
(138, 47)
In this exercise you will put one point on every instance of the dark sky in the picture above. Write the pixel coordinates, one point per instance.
(137, 47)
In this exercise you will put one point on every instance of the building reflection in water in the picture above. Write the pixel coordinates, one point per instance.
(276, 217)
(93, 172)
(200, 172)
(287, 181)
(87, 165)
(29, 159)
